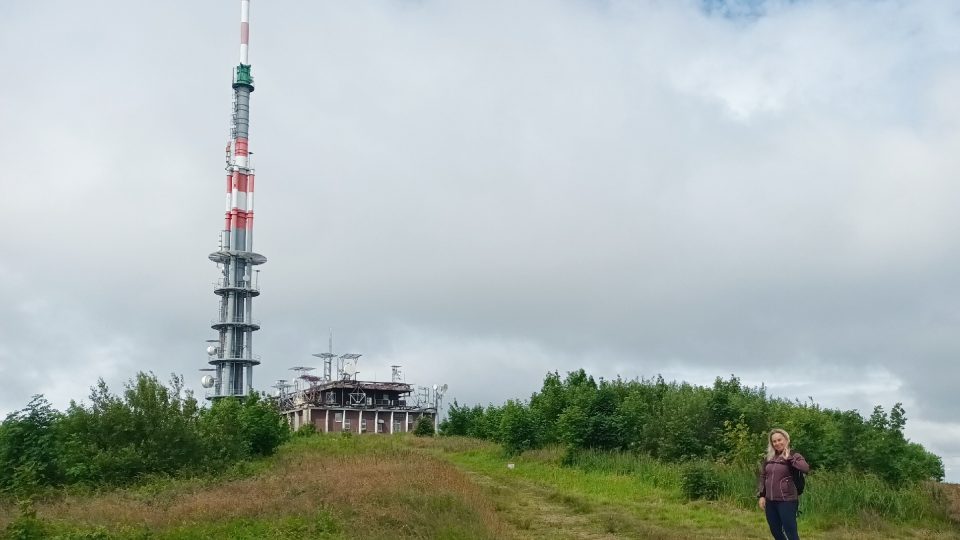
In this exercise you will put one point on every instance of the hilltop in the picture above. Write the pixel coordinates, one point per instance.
(335, 486)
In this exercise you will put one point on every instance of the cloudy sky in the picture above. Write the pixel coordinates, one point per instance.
(486, 191)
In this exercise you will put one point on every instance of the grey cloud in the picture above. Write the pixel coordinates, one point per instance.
(486, 192)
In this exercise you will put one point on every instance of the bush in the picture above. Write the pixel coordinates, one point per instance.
(26, 526)
(725, 423)
(151, 429)
(698, 480)
(424, 427)
(306, 430)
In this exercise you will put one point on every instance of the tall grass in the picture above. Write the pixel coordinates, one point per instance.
(651, 471)
(323, 485)
(831, 498)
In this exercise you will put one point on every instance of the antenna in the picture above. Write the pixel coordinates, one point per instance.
(301, 370)
(343, 361)
(327, 364)
(232, 355)
(438, 392)
(395, 375)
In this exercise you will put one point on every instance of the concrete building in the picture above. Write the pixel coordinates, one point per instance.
(347, 405)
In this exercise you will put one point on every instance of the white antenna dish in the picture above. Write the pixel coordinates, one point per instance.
(206, 381)
(443, 388)
(212, 350)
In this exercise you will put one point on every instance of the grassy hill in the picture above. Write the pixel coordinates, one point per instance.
(405, 487)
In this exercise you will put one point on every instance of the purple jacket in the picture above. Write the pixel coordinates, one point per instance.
(776, 480)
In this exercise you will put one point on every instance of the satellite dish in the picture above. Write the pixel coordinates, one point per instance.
(443, 388)
(206, 381)
(212, 350)
(435, 388)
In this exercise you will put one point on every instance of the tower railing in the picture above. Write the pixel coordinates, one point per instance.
(236, 320)
(253, 358)
(245, 285)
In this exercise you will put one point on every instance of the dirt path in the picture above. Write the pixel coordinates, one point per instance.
(534, 512)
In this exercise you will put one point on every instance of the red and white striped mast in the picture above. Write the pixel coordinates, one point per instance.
(232, 357)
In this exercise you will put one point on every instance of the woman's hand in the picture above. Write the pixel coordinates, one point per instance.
(763, 503)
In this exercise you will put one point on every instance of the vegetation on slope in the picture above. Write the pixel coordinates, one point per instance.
(151, 429)
(592, 460)
(401, 486)
(679, 422)
(315, 486)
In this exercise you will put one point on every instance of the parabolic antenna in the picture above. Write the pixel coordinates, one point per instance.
(206, 381)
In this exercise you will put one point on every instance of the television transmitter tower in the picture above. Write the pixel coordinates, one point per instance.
(231, 354)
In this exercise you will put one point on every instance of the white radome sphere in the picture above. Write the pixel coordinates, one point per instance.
(212, 350)
(206, 381)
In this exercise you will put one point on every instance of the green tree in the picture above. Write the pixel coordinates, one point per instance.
(517, 429)
(262, 426)
(423, 427)
(29, 448)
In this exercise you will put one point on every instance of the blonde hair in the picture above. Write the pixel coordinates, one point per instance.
(771, 453)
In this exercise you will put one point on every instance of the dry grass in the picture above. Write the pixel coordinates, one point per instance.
(952, 492)
(381, 485)
(404, 487)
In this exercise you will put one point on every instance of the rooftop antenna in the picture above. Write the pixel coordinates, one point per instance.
(343, 361)
(281, 385)
(438, 392)
(301, 371)
(327, 364)
(328, 359)
(395, 376)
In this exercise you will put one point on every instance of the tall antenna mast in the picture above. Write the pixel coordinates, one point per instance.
(233, 358)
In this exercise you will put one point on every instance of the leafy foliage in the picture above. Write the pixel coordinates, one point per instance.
(680, 422)
(424, 427)
(151, 429)
(698, 481)
(28, 448)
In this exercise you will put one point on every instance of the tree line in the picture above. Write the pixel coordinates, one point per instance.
(149, 429)
(678, 422)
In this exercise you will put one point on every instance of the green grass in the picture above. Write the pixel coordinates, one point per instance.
(620, 488)
(331, 487)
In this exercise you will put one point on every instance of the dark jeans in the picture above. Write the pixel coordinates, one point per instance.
(782, 518)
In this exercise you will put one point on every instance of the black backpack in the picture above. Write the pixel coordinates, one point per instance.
(799, 480)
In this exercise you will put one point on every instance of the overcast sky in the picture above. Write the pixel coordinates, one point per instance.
(486, 191)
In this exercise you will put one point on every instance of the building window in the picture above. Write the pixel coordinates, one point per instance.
(381, 426)
(346, 425)
(396, 427)
(338, 417)
(363, 424)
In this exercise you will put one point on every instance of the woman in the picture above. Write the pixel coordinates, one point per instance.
(776, 491)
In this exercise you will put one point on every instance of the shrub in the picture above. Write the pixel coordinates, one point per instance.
(726, 422)
(424, 427)
(306, 430)
(150, 429)
(26, 526)
(698, 480)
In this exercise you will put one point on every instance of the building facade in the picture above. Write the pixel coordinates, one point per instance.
(356, 406)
